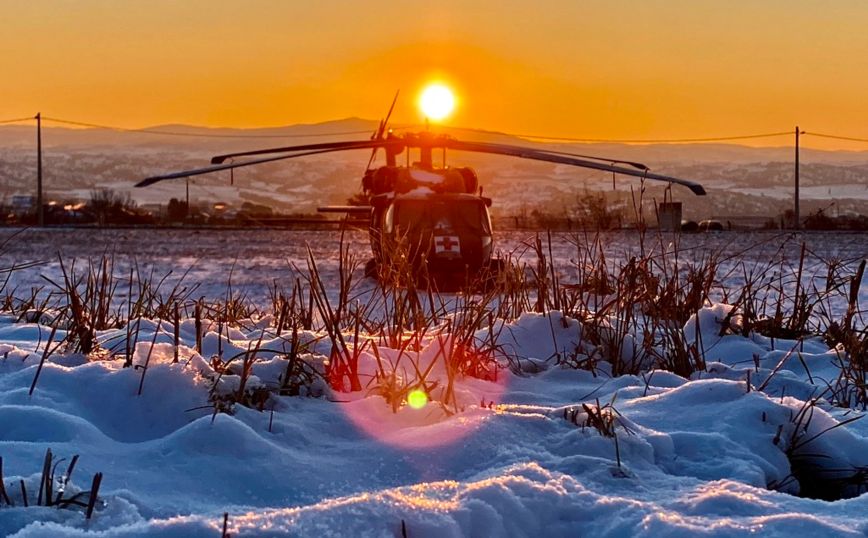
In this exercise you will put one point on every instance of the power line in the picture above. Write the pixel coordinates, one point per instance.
(161, 132)
(197, 135)
(30, 118)
(837, 137)
(611, 140)
(636, 140)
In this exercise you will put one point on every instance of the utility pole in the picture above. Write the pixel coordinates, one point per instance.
(796, 200)
(40, 213)
(187, 181)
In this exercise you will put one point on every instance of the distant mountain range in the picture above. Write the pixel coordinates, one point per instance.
(741, 180)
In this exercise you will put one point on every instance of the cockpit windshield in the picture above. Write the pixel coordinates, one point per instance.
(452, 215)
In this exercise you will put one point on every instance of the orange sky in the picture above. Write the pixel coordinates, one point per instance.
(607, 69)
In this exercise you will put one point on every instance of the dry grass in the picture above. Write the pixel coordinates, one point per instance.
(632, 310)
(54, 489)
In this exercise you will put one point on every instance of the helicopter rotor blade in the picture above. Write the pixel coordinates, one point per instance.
(510, 147)
(634, 164)
(376, 136)
(560, 158)
(573, 159)
(209, 169)
(389, 114)
(351, 144)
(382, 129)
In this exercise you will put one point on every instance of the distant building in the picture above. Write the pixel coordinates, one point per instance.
(745, 222)
(157, 210)
(669, 216)
(21, 203)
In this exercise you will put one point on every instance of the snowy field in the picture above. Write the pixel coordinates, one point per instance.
(569, 421)
(252, 260)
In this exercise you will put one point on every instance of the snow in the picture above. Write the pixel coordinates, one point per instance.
(252, 260)
(423, 176)
(826, 192)
(419, 192)
(513, 455)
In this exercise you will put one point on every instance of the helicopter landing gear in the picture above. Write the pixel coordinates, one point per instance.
(485, 279)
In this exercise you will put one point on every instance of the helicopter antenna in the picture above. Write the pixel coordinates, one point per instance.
(381, 130)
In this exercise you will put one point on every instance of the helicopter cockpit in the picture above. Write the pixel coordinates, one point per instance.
(441, 214)
(437, 215)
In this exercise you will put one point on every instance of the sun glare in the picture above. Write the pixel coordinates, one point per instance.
(436, 101)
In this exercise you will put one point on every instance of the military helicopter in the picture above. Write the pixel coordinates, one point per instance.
(437, 212)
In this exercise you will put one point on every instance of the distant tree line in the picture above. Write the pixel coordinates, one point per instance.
(106, 207)
(588, 211)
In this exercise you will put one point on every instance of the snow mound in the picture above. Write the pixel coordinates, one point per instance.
(536, 450)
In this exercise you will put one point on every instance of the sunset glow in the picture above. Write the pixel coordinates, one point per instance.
(617, 70)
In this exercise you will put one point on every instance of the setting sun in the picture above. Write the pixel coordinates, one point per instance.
(436, 101)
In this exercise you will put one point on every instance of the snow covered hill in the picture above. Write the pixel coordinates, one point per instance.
(741, 180)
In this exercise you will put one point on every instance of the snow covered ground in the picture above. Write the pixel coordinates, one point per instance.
(533, 449)
(252, 260)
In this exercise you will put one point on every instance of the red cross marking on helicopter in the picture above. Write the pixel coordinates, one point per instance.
(444, 243)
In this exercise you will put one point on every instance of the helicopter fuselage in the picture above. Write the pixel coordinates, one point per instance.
(432, 217)
(446, 235)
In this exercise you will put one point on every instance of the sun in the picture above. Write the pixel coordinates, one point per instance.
(436, 101)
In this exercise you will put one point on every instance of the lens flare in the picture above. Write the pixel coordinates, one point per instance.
(437, 101)
(408, 417)
(417, 399)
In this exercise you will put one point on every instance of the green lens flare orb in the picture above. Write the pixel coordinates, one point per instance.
(417, 399)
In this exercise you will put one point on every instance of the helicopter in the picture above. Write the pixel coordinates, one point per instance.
(436, 212)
